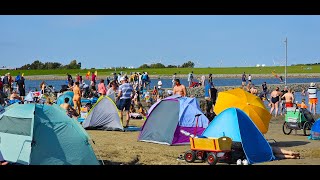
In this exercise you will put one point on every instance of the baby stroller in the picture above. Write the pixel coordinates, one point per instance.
(297, 119)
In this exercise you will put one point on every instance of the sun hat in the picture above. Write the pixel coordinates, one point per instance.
(312, 84)
(122, 79)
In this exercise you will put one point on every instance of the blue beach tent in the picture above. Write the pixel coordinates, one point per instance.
(39, 134)
(237, 125)
(68, 94)
(315, 131)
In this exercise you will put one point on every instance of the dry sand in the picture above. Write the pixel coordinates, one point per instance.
(123, 148)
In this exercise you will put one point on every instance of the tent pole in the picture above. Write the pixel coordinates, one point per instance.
(195, 130)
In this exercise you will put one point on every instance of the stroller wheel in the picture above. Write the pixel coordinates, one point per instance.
(306, 128)
(286, 130)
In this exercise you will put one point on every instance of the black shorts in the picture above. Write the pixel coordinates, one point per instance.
(124, 103)
(22, 92)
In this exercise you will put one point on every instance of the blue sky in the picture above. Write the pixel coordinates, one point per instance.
(108, 41)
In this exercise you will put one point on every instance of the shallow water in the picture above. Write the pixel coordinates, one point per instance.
(167, 83)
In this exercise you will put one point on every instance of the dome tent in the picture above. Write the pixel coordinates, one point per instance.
(39, 134)
(170, 115)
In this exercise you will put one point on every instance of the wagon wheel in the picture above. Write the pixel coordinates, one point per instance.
(306, 128)
(212, 158)
(190, 156)
(286, 130)
(200, 155)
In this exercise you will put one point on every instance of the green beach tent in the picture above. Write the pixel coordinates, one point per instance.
(39, 134)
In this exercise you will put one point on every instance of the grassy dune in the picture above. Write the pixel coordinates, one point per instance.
(170, 71)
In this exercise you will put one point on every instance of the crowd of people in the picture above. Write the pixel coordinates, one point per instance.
(12, 88)
(129, 91)
(278, 99)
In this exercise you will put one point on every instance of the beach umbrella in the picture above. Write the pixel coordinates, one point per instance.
(247, 102)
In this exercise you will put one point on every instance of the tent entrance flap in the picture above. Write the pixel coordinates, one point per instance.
(160, 127)
(15, 148)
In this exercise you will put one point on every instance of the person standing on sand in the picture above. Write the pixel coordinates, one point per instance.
(93, 80)
(21, 88)
(190, 78)
(174, 77)
(70, 80)
(179, 88)
(78, 78)
(289, 98)
(313, 100)
(275, 98)
(102, 90)
(210, 78)
(77, 97)
(282, 100)
(249, 79)
(10, 82)
(124, 99)
(263, 94)
(43, 87)
(203, 80)
(244, 79)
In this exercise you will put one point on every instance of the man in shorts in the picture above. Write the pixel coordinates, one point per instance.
(124, 99)
(289, 98)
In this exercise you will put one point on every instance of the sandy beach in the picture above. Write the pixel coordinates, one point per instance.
(123, 148)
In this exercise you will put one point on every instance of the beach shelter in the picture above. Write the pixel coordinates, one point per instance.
(40, 134)
(247, 102)
(315, 131)
(170, 115)
(103, 115)
(237, 125)
(68, 94)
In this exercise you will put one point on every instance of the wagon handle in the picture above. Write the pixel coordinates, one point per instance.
(195, 130)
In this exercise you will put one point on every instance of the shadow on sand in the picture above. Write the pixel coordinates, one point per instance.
(135, 161)
(291, 143)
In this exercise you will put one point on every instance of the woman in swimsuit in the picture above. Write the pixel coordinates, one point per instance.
(77, 97)
(275, 94)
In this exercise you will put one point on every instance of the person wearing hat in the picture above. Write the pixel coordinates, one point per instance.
(125, 95)
(313, 100)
